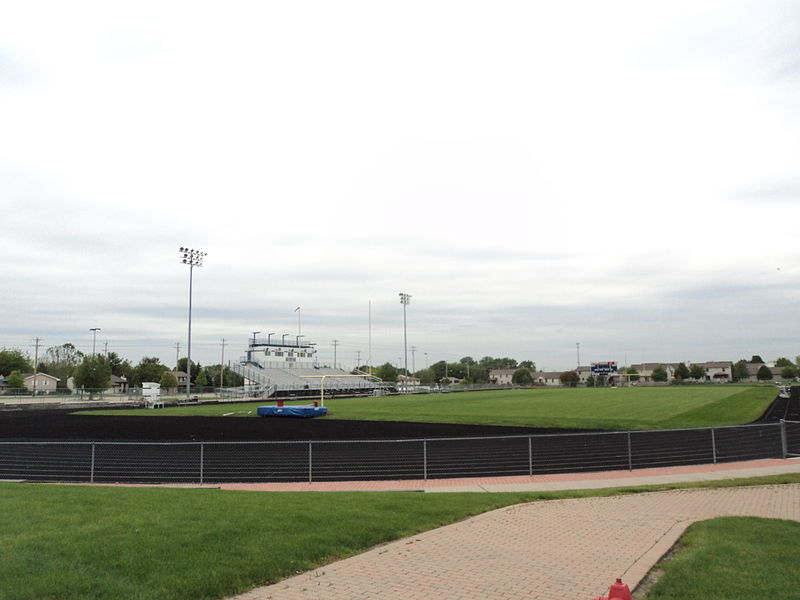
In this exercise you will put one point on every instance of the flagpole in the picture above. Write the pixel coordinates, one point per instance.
(297, 310)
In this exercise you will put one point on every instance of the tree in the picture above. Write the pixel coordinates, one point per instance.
(590, 381)
(61, 361)
(202, 379)
(764, 373)
(789, 372)
(783, 362)
(528, 364)
(682, 372)
(93, 374)
(634, 374)
(168, 381)
(15, 380)
(195, 368)
(570, 378)
(659, 374)
(697, 372)
(148, 369)
(387, 372)
(14, 360)
(120, 367)
(740, 370)
(756, 359)
(522, 377)
(426, 376)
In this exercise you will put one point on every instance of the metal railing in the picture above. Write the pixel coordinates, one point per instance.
(433, 458)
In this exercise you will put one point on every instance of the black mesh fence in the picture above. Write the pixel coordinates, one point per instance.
(792, 437)
(209, 462)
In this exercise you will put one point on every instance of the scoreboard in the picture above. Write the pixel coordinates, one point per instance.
(604, 368)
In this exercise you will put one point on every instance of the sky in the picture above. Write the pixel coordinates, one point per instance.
(622, 176)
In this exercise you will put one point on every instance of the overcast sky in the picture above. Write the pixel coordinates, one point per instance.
(623, 175)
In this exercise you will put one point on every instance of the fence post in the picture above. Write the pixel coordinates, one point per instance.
(630, 454)
(91, 475)
(425, 459)
(309, 462)
(530, 456)
(784, 444)
(202, 446)
(713, 445)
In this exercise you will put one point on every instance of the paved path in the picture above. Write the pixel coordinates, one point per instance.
(554, 550)
(560, 481)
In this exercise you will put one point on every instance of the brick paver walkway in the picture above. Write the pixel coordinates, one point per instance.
(555, 550)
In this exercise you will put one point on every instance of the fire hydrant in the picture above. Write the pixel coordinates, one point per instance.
(618, 591)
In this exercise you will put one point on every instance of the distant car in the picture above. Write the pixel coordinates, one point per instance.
(786, 392)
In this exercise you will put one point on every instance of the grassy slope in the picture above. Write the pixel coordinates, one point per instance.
(601, 408)
(733, 557)
(75, 542)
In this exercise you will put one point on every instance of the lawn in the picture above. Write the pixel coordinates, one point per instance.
(579, 408)
(732, 557)
(77, 542)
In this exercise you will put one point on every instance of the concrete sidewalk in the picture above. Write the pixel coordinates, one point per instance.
(553, 550)
(561, 481)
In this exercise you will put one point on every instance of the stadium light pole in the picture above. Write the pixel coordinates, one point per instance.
(94, 331)
(193, 258)
(405, 299)
(269, 335)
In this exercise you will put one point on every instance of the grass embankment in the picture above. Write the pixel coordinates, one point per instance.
(92, 543)
(580, 408)
(732, 557)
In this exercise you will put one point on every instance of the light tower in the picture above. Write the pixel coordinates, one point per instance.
(193, 258)
(94, 331)
(405, 300)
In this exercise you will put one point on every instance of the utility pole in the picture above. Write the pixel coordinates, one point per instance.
(413, 361)
(335, 343)
(358, 359)
(105, 346)
(36, 363)
(578, 346)
(222, 367)
(177, 354)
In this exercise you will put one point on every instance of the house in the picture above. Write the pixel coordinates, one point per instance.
(717, 371)
(41, 383)
(501, 376)
(645, 370)
(547, 377)
(119, 385)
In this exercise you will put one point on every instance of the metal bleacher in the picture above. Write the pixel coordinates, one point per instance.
(263, 382)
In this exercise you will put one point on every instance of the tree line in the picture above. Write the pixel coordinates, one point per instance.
(94, 371)
(466, 370)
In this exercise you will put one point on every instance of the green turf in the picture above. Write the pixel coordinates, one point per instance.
(582, 408)
(733, 557)
(77, 542)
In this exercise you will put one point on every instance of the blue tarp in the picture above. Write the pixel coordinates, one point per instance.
(292, 411)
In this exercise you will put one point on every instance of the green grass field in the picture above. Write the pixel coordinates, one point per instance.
(93, 543)
(581, 408)
(732, 557)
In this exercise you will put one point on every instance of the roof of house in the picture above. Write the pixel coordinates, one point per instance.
(30, 375)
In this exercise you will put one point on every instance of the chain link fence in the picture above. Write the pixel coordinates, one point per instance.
(435, 458)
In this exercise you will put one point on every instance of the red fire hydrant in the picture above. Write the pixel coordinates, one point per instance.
(618, 591)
